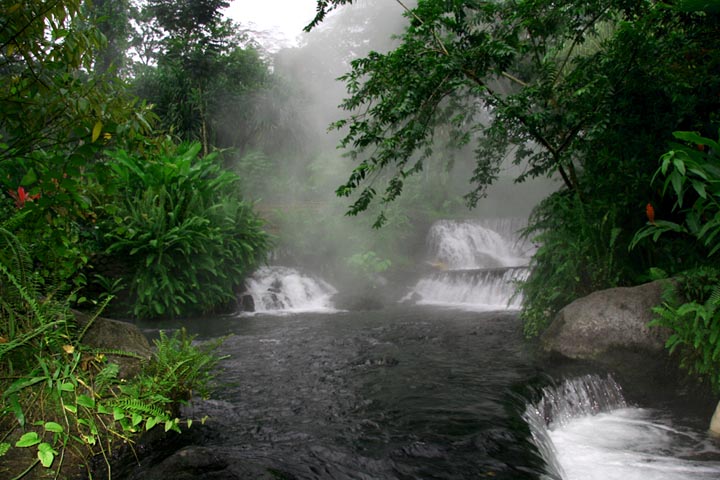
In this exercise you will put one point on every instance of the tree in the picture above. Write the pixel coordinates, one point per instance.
(200, 69)
(531, 75)
(58, 113)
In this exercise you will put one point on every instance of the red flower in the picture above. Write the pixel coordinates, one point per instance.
(21, 196)
(650, 212)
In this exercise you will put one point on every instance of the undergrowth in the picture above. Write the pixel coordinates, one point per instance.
(63, 399)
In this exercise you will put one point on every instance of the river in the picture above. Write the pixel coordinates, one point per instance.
(432, 388)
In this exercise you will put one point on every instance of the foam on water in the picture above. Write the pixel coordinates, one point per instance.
(278, 289)
(477, 262)
(475, 290)
(632, 444)
(585, 430)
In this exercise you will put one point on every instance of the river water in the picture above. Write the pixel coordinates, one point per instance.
(408, 392)
(440, 385)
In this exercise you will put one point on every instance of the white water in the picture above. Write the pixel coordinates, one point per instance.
(477, 244)
(286, 290)
(585, 430)
(477, 264)
(475, 290)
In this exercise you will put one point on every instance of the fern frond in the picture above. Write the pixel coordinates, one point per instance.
(714, 299)
(138, 405)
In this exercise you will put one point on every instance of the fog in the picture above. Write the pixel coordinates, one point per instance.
(296, 191)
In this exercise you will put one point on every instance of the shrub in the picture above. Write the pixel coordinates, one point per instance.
(183, 231)
(578, 253)
(692, 312)
(61, 398)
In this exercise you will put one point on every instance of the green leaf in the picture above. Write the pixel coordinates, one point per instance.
(67, 387)
(97, 130)
(136, 419)
(118, 413)
(29, 178)
(46, 454)
(151, 422)
(17, 410)
(28, 440)
(85, 401)
(70, 408)
(54, 427)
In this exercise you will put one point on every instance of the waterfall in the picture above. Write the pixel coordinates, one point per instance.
(490, 289)
(477, 264)
(585, 430)
(478, 244)
(282, 289)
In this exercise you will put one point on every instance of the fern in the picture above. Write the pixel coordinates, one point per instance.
(142, 406)
(714, 299)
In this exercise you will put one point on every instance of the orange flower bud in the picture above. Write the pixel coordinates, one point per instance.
(650, 212)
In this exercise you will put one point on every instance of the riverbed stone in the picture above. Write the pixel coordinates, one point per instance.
(607, 320)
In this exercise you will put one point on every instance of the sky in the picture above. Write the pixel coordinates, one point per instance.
(287, 17)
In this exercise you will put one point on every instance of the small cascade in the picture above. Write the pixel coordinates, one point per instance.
(578, 397)
(282, 289)
(477, 244)
(487, 289)
(477, 264)
(585, 430)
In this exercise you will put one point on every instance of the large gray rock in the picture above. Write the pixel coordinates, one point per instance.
(108, 336)
(613, 319)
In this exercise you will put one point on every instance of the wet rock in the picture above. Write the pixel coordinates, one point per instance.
(607, 320)
(114, 335)
(194, 462)
(247, 303)
(715, 422)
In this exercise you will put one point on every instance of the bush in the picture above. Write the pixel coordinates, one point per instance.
(181, 229)
(62, 399)
(578, 253)
(692, 312)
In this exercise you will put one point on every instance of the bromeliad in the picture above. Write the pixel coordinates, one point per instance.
(21, 197)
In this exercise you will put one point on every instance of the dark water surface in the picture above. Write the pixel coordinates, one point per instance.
(400, 393)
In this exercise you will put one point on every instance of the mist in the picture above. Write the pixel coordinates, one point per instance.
(296, 191)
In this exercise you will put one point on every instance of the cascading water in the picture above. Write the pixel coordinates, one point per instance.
(585, 430)
(282, 289)
(468, 245)
(477, 264)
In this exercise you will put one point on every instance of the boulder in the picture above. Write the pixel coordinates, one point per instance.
(607, 320)
(107, 336)
(715, 422)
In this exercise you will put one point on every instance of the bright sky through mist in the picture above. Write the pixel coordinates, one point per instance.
(287, 17)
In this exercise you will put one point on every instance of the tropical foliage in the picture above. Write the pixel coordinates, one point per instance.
(62, 399)
(690, 176)
(185, 236)
(584, 92)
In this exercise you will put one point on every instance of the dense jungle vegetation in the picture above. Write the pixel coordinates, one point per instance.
(140, 142)
(619, 100)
